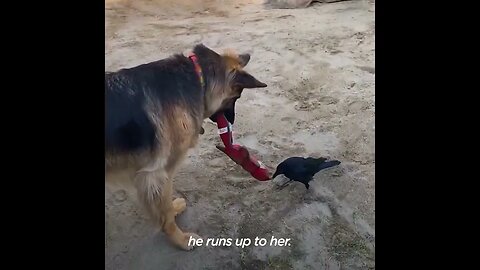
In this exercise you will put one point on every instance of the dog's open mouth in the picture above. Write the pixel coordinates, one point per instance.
(228, 111)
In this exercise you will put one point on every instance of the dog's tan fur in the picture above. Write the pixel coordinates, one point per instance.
(152, 171)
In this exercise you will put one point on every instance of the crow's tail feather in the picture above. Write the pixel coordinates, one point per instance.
(316, 160)
(328, 164)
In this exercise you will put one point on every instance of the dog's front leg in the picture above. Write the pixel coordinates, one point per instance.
(155, 190)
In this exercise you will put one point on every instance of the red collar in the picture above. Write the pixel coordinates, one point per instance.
(198, 68)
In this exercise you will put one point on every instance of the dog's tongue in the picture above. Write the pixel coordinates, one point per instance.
(238, 153)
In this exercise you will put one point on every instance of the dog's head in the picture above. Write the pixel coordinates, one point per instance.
(225, 80)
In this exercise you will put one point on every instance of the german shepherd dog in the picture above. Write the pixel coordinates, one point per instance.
(154, 114)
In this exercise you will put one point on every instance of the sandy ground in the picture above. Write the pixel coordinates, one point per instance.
(319, 64)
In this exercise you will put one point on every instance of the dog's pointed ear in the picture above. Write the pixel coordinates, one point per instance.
(244, 59)
(244, 80)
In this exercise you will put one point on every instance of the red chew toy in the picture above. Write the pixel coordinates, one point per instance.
(239, 153)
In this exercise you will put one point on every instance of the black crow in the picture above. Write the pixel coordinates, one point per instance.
(302, 169)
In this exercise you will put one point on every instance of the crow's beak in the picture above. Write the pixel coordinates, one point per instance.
(275, 175)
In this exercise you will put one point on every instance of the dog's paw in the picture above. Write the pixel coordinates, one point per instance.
(179, 205)
(186, 240)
